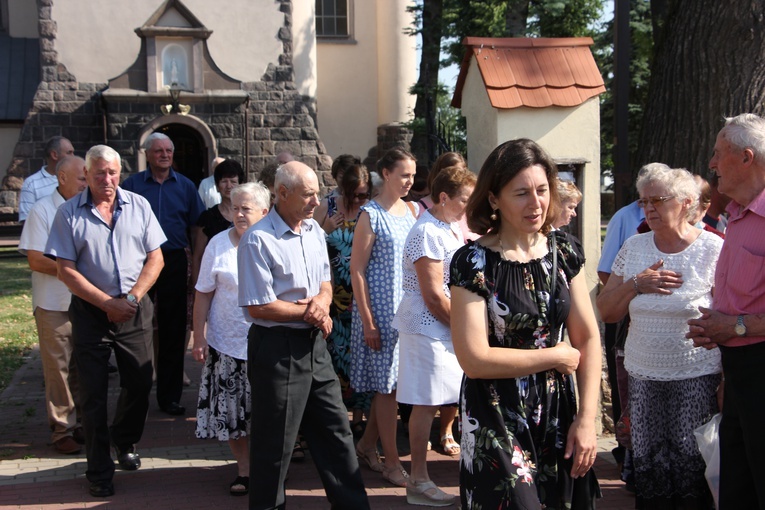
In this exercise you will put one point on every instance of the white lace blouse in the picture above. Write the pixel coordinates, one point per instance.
(656, 347)
(435, 240)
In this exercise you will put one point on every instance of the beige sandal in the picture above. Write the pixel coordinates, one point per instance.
(372, 459)
(449, 445)
(396, 476)
(427, 494)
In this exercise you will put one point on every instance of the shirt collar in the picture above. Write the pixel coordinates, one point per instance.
(86, 199)
(757, 206)
(148, 175)
(281, 228)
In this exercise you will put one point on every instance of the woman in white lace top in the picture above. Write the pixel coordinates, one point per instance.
(661, 278)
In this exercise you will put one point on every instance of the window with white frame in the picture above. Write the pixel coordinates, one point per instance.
(333, 19)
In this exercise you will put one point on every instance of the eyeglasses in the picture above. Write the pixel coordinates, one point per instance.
(361, 196)
(654, 201)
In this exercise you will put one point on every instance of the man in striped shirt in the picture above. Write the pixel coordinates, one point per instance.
(42, 183)
(737, 321)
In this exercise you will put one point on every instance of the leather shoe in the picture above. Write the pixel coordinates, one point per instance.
(78, 435)
(174, 409)
(102, 489)
(67, 445)
(128, 459)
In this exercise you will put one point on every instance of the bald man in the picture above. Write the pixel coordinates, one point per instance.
(284, 285)
(50, 305)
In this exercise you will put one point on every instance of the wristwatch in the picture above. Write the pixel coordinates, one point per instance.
(131, 298)
(740, 328)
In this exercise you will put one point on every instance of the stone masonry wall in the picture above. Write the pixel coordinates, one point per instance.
(277, 119)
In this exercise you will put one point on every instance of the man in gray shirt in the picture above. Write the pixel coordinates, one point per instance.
(106, 245)
(284, 285)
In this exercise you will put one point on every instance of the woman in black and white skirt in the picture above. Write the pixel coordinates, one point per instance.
(223, 410)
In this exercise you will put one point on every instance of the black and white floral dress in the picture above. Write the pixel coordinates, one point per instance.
(514, 430)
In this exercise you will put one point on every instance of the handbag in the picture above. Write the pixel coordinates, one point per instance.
(586, 489)
(708, 441)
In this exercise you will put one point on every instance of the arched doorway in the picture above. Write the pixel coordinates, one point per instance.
(190, 157)
(195, 145)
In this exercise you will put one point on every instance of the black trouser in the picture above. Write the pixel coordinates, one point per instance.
(742, 443)
(94, 337)
(292, 379)
(169, 295)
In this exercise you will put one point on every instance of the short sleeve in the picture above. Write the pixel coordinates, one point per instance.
(570, 254)
(467, 269)
(34, 235)
(426, 241)
(206, 280)
(255, 278)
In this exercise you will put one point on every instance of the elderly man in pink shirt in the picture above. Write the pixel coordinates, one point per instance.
(737, 321)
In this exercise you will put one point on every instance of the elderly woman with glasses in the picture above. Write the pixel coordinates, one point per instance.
(661, 278)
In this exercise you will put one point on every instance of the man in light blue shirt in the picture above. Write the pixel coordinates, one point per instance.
(285, 289)
(106, 245)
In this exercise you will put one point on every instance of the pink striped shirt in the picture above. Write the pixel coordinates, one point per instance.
(740, 275)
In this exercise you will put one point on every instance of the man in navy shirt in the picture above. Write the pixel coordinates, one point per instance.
(176, 203)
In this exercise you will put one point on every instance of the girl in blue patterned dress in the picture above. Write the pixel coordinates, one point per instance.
(524, 443)
(376, 276)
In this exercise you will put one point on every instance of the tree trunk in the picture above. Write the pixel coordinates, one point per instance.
(432, 30)
(516, 18)
(710, 64)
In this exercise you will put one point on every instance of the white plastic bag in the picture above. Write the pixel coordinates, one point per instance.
(708, 440)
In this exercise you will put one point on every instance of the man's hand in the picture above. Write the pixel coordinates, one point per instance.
(711, 329)
(317, 310)
(120, 310)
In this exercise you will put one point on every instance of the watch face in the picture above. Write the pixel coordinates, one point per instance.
(131, 298)
(740, 329)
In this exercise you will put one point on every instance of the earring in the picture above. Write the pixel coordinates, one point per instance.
(493, 215)
(443, 204)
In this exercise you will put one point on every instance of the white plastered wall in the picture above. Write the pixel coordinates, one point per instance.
(95, 48)
(364, 83)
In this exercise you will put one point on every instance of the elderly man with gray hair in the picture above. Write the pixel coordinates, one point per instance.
(736, 321)
(177, 206)
(50, 306)
(105, 242)
(284, 286)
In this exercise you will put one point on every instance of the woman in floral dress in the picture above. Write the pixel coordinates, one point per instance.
(339, 224)
(524, 443)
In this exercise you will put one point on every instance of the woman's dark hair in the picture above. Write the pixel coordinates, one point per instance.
(228, 168)
(502, 165)
(391, 158)
(353, 176)
(445, 160)
(342, 163)
(451, 180)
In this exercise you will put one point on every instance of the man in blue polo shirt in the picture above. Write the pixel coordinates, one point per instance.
(176, 203)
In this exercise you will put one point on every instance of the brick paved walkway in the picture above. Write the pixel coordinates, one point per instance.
(180, 471)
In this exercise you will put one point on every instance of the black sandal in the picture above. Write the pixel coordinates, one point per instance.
(240, 486)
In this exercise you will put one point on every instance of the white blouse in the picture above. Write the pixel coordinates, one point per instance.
(656, 347)
(435, 240)
(226, 327)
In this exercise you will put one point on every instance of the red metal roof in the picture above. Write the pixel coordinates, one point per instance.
(533, 72)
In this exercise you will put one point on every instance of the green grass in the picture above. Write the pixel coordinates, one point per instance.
(18, 333)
